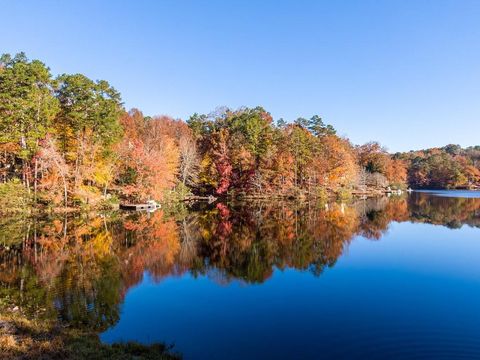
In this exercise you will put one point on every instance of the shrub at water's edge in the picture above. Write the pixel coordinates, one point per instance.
(24, 337)
(14, 197)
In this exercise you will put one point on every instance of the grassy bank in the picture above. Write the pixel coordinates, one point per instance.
(24, 337)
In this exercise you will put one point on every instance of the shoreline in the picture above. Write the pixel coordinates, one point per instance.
(214, 198)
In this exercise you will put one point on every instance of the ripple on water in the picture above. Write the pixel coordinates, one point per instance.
(404, 343)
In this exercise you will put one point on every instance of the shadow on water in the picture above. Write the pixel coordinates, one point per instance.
(79, 268)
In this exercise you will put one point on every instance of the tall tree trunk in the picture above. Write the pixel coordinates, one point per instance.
(35, 182)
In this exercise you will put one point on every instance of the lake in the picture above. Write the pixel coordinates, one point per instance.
(385, 278)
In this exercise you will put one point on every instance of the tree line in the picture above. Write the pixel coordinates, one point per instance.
(448, 167)
(68, 140)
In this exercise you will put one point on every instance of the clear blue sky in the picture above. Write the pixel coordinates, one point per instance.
(403, 72)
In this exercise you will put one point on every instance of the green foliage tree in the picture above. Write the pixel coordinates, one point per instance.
(87, 106)
(27, 102)
(318, 128)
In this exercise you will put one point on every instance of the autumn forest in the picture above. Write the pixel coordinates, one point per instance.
(67, 141)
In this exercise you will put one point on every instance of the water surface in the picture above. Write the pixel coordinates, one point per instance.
(395, 278)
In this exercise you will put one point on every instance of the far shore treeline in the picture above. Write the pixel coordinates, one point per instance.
(68, 141)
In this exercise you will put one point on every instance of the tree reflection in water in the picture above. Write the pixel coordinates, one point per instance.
(80, 267)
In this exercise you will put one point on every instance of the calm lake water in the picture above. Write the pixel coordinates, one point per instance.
(388, 278)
